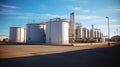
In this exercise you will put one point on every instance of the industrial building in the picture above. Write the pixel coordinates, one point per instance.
(71, 28)
(57, 31)
(95, 34)
(17, 34)
(84, 33)
(92, 35)
(88, 36)
(102, 37)
(115, 38)
(78, 31)
(35, 32)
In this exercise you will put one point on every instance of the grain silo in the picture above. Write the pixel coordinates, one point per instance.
(17, 34)
(78, 31)
(57, 31)
(84, 33)
(35, 33)
(97, 34)
(88, 36)
(92, 32)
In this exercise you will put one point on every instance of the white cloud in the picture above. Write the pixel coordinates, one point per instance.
(78, 9)
(110, 20)
(89, 18)
(22, 17)
(50, 16)
(106, 26)
(8, 11)
(117, 9)
(31, 14)
(114, 26)
(95, 18)
(43, 7)
(111, 9)
(77, 17)
(19, 17)
(14, 12)
(8, 6)
(83, 17)
(114, 20)
(86, 11)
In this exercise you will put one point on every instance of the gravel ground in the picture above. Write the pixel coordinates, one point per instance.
(59, 56)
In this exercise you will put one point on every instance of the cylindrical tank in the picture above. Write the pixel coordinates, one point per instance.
(17, 34)
(88, 33)
(84, 32)
(91, 33)
(97, 34)
(57, 31)
(35, 33)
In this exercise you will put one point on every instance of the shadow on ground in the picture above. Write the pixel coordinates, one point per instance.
(97, 57)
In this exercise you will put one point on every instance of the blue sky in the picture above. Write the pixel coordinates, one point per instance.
(87, 12)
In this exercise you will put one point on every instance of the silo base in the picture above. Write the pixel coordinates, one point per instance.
(71, 40)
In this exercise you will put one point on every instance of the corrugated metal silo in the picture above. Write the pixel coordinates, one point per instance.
(57, 31)
(84, 33)
(35, 33)
(17, 34)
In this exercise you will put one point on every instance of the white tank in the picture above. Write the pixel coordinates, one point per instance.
(35, 33)
(84, 33)
(17, 34)
(2, 37)
(57, 31)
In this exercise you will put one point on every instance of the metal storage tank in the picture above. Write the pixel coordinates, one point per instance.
(57, 31)
(17, 34)
(88, 33)
(35, 33)
(78, 31)
(92, 33)
(84, 33)
(98, 34)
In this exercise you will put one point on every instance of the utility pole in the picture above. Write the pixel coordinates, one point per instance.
(108, 32)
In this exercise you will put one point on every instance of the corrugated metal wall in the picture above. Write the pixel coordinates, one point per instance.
(17, 34)
(57, 32)
(34, 34)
